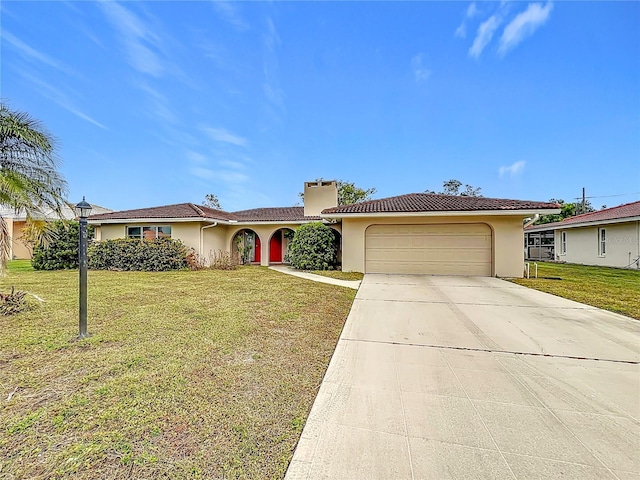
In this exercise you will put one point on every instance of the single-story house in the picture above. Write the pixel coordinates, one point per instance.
(17, 221)
(415, 233)
(609, 237)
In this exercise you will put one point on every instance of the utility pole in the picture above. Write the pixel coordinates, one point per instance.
(584, 201)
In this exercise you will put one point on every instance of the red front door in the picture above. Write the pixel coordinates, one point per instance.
(275, 247)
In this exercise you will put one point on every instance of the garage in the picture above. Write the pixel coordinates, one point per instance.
(436, 249)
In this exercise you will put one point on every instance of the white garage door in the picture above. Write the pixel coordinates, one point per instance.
(442, 249)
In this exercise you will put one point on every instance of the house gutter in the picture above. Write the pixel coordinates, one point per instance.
(214, 224)
(532, 221)
(441, 213)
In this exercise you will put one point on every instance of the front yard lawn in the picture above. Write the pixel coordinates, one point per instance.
(203, 374)
(340, 275)
(612, 289)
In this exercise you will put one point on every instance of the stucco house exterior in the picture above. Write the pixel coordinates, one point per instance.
(608, 237)
(17, 221)
(415, 233)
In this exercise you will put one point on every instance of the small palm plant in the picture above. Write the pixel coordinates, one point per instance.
(29, 179)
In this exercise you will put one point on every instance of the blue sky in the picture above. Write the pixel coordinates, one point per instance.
(163, 102)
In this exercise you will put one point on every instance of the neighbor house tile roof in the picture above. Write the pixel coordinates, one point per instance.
(196, 212)
(628, 210)
(427, 202)
(68, 213)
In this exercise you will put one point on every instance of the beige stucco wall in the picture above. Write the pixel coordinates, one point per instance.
(507, 233)
(318, 196)
(18, 250)
(214, 238)
(188, 232)
(623, 245)
(264, 231)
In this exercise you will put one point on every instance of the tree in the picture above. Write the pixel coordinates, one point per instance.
(566, 210)
(29, 180)
(210, 200)
(452, 187)
(349, 192)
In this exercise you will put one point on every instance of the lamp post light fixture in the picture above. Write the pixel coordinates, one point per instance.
(83, 209)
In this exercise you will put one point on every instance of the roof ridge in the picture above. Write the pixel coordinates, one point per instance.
(197, 209)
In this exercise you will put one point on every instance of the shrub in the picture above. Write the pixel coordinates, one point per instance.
(223, 260)
(12, 303)
(61, 252)
(313, 247)
(157, 255)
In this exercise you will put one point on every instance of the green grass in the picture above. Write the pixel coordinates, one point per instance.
(203, 374)
(339, 275)
(612, 289)
(19, 266)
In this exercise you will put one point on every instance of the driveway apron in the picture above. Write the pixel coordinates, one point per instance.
(475, 378)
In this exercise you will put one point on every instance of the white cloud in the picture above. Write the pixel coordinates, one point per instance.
(31, 53)
(523, 25)
(195, 157)
(420, 72)
(512, 170)
(137, 38)
(225, 136)
(472, 11)
(484, 35)
(229, 12)
(59, 97)
(224, 176)
(271, 86)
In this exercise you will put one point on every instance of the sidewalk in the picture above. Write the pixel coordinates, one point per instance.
(355, 284)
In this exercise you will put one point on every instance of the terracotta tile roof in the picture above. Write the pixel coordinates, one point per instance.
(190, 210)
(628, 210)
(275, 214)
(427, 202)
(180, 210)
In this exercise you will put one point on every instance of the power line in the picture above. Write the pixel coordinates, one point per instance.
(616, 195)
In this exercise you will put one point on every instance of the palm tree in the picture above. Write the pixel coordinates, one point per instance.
(29, 179)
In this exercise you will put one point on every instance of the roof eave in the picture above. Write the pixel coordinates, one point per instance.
(594, 223)
(444, 213)
(99, 221)
(274, 222)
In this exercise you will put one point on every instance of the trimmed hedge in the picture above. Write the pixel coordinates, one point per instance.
(313, 247)
(61, 253)
(157, 255)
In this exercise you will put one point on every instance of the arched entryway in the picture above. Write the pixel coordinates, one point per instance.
(279, 245)
(246, 245)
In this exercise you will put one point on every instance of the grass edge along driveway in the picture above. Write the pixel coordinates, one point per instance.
(187, 374)
(613, 289)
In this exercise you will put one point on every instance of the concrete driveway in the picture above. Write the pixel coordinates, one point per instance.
(464, 377)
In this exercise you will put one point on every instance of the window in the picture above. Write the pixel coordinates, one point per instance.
(149, 233)
(563, 243)
(602, 242)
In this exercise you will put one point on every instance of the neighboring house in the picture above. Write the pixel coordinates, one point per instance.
(415, 233)
(16, 222)
(608, 237)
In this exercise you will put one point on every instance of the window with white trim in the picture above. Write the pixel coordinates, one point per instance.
(563, 243)
(150, 232)
(602, 242)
